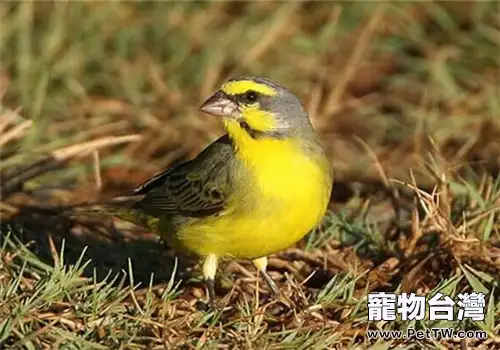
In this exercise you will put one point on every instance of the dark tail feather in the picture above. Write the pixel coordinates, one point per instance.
(121, 207)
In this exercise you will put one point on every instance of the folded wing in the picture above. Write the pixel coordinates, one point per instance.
(197, 188)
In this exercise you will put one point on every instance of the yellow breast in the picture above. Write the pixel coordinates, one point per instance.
(291, 193)
(284, 196)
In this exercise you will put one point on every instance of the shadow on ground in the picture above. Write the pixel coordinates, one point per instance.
(109, 249)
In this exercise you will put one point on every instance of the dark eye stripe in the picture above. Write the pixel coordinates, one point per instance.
(244, 97)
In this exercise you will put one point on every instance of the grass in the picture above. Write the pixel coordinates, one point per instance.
(96, 97)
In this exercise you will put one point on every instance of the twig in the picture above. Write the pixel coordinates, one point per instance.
(88, 147)
(97, 169)
(15, 182)
(16, 132)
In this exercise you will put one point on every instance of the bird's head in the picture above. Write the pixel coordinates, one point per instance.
(257, 107)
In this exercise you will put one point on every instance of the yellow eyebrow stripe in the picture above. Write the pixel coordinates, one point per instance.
(241, 86)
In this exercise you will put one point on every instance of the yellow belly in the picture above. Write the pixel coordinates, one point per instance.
(284, 196)
(250, 236)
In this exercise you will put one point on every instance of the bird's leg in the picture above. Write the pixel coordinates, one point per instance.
(209, 271)
(261, 265)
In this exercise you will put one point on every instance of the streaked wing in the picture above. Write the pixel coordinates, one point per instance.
(196, 188)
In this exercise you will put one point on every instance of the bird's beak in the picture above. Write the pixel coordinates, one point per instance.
(220, 105)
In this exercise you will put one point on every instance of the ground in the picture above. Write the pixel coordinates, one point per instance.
(96, 97)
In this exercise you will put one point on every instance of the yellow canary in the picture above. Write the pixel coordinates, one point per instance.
(255, 191)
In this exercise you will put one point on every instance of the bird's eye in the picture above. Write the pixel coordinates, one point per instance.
(250, 96)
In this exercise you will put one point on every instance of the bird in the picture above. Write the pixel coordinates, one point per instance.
(256, 190)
